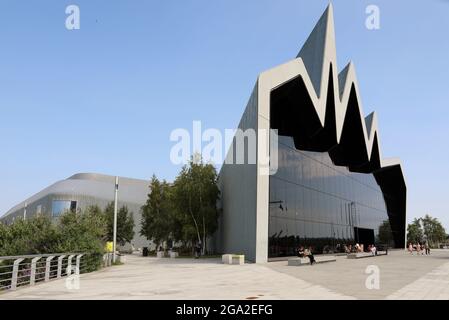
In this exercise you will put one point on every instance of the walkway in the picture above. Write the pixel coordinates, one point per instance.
(401, 277)
(150, 278)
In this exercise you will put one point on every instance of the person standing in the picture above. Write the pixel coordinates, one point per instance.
(198, 250)
(427, 248)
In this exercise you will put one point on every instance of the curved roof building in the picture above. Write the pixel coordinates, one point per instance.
(83, 190)
(332, 187)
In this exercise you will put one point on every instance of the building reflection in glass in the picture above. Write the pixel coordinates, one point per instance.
(315, 203)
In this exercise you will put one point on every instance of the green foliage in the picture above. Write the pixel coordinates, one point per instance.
(414, 231)
(433, 230)
(158, 223)
(82, 232)
(195, 196)
(426, 229)
(33, 236)
(184, 211)
(74, 232)
(125, 224)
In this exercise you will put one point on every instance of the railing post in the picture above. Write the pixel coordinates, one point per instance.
(60, 265)
(77, 268)
(69, 265)
(15, 271)
(33, 270)
(47, 267)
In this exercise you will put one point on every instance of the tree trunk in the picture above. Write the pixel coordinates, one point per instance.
(203, 249)
(193, 217)
(204, 236)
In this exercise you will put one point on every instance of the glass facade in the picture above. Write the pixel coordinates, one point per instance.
(61, 206)
(315, 203)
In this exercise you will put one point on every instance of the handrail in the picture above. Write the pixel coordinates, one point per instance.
(34, 268)
(29, 256)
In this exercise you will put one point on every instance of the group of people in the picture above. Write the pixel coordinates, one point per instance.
(359, 248)
(419, 248)
(306, 253)
(372, 248)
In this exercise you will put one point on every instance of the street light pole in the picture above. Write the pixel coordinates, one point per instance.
(114, 244)
(25, 211)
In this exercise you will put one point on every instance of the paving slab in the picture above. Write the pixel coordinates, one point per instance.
(402, 276)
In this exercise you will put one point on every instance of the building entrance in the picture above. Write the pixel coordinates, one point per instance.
(364, 236)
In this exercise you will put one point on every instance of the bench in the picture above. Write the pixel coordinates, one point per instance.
(160, 254)
(173, 254)
(306, 261)
(360, 255)
(233, 259)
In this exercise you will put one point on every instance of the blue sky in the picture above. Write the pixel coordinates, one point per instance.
(106, 97)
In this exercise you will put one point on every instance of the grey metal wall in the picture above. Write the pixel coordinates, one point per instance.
(237, 228)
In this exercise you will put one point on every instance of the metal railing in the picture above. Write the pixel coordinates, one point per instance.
(19, 271)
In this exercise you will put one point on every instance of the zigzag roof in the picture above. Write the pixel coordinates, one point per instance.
(316, 61)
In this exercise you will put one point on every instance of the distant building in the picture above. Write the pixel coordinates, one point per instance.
(81, 191)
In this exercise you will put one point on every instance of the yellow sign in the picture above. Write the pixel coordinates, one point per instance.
(109, 246)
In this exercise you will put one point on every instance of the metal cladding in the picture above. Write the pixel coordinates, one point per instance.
(324, 113)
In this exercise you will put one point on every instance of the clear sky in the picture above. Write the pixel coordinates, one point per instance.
(106, 97)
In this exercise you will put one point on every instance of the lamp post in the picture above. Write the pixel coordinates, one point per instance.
(114, 243)
(25, 211)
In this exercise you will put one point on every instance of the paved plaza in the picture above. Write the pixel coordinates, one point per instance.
(402, 276)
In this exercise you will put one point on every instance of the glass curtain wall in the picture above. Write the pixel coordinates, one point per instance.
(315, 203)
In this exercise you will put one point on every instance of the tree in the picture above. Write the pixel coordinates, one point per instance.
(31, 236)
(414, 231)
(426, 229)
(84, 231)
(195, 196)
(433, 230)
(157, 220)
(125, 224)
(73, 232)
(385, 233)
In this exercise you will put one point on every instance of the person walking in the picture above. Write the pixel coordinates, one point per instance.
(410, 248)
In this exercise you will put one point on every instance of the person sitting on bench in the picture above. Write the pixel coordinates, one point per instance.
(308, 253)
(301, 252)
